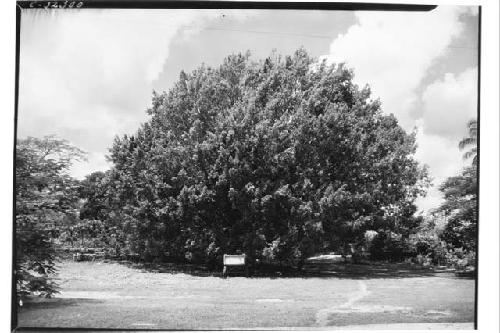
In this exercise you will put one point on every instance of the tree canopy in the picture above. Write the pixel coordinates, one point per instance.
(278, 158)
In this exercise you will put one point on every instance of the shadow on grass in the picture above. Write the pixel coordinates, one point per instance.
(374, 270)
(33, 303)
(312, 269)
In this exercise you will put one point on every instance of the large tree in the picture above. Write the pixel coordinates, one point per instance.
(278, 158)
(45, 194)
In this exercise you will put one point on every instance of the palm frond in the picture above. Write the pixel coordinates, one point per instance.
(472, 124)
(467, 142)
(470, 153)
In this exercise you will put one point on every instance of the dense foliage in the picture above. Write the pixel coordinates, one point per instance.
(45, 195)
(278, 159)
(460, 206)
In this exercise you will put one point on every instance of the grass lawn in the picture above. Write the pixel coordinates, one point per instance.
(112, 295)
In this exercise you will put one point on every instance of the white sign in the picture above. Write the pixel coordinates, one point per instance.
(234, 260)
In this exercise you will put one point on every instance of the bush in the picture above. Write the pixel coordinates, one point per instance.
(461, 259)
(386, 245)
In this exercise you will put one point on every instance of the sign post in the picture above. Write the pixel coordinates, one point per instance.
(233, 260)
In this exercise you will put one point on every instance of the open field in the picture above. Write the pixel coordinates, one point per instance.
(112, 295)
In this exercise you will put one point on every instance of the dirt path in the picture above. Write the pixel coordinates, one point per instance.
(323, 314)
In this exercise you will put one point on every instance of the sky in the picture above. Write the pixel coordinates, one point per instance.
(88, 75)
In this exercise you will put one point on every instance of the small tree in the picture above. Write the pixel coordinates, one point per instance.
(460, 207)
(44, 195)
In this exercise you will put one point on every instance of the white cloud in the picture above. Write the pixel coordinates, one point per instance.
(448, 104)
(87, 75)
(431, 201)
(95, 162)
(444, 160)
(440, 153)
(392, 51)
